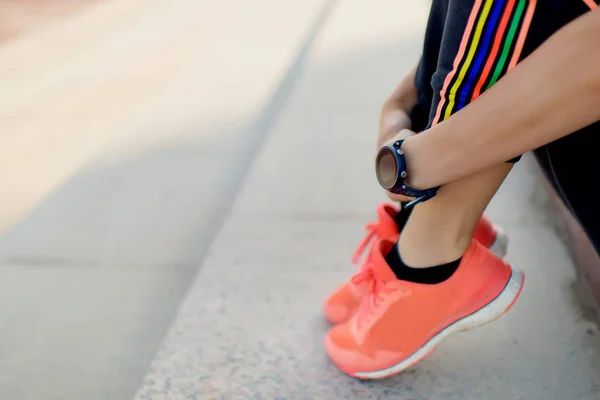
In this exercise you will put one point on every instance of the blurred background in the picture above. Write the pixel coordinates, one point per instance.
(182, 183)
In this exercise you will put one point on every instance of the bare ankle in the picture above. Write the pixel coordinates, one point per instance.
(427, 242)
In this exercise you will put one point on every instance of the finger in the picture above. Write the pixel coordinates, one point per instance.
(398, 197)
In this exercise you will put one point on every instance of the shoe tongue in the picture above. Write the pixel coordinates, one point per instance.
(387, 224)
(382, 270)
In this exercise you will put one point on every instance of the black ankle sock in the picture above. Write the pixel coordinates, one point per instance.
(431, 275)
(402, 217)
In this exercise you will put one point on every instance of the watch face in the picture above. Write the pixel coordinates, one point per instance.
(386, 167)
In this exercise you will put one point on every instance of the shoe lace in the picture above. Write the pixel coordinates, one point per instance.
(377, 292)
(372, 229)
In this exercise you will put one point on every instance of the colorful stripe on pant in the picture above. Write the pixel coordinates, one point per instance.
(491, 45)
(591, 4)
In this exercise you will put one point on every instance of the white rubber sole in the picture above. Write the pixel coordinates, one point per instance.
(488, 313)
(500, 245)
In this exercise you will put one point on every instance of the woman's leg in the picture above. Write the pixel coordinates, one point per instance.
(440, 230)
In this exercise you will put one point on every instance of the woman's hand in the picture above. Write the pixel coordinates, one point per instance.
(391, 123)
(394, 120)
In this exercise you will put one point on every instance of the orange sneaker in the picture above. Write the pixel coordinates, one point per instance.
(342, 304)
(399, 323)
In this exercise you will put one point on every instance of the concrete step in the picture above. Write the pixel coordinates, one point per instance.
(251, 325)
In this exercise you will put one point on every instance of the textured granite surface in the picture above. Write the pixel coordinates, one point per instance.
(251, 327)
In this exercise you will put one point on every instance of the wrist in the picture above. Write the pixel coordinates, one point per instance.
(392, 171)
(431, 156)
(414, 179)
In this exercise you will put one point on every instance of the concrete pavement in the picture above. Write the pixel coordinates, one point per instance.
(104, 234)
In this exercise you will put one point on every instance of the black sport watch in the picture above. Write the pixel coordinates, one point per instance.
(390, 167)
